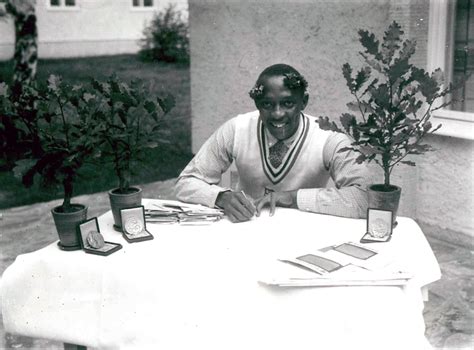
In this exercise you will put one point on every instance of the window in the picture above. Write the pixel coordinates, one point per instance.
(463, 56)
(451, 48)
(62, 4)
(142, 3)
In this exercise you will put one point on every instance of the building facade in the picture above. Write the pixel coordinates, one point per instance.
(75, 28)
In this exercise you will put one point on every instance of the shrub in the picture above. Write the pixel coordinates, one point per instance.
(166, 38)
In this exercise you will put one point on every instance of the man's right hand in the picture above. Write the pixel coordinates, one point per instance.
(236, 206)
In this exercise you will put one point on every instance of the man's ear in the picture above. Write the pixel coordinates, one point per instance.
(305, 100)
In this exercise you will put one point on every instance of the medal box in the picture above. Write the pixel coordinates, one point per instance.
(92, 241)
(379, 226)
(134, 224)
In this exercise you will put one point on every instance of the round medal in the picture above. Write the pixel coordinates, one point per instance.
(133, 226)
(380, 228)
(95, 240)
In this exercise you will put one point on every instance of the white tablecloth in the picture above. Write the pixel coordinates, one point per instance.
(196, 287)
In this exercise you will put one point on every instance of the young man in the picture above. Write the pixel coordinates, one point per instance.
(281, 155)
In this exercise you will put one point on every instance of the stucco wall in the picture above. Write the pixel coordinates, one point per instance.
(232, 41)
(95, 27)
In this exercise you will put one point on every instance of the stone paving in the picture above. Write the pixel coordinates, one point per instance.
(449, 313)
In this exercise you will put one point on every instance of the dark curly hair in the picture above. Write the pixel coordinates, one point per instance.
(293, 79)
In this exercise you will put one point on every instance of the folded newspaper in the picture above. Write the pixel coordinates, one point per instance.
(169, 211)
(347, 264)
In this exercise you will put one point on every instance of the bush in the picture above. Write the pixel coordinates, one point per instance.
(166, 38)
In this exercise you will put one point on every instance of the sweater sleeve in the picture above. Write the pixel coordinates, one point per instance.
(199, 181)
(349, 196)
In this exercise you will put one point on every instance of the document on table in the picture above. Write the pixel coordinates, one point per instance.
(169, 211)
(339, 265)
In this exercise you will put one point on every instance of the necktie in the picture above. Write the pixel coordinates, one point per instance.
(277, 152)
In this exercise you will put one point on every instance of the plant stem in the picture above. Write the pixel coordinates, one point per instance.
(67, 184)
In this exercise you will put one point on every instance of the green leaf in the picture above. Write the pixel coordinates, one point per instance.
(347, 121)
(368, 42)
(325, 124)
(407, 50)
(398, 69)
(361, 77)
(150, 106)
(167, 103)
(347, 73)
(391, 41)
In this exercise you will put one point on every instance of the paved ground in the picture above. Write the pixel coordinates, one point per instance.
(449, 314)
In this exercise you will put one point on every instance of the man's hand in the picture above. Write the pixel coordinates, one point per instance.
(236, 206)
(283, 199)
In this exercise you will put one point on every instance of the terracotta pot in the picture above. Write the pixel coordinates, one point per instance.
(66, 224)
(381, 198)
(120, 201)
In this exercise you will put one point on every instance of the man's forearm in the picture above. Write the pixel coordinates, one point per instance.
(349, 201)
(193, 190)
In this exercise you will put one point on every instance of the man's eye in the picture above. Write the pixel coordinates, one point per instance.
(288, 104)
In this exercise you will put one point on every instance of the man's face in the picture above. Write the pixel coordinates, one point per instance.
(280, 108)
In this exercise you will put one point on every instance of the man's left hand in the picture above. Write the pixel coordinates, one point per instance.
(285, 199)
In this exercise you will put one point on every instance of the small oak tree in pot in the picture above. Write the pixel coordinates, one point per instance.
(394, 100)
(130, 120)
(63, 128)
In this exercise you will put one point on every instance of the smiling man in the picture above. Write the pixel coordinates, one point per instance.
(282, 158)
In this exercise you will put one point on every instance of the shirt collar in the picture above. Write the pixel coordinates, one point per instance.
(271, 140)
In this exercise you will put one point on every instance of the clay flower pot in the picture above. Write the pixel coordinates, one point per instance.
(387, 199)
(66, 224)
(119, 201)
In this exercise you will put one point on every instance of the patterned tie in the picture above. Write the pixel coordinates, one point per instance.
(277, 152)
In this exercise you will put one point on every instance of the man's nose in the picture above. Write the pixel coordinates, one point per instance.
(278, 112)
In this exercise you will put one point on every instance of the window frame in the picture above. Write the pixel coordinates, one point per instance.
(142, 7)
(440, 33)
(62, 6)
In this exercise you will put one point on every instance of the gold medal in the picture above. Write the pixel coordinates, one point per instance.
(133, 226)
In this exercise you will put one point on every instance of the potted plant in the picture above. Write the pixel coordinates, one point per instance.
(131, 121)
(63, 128)
(394, 100)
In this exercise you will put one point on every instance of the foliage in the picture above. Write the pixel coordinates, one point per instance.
(395, 100)
(63, 127)
(128, 120)
(166, 38)
(13, 140)
(161, 163)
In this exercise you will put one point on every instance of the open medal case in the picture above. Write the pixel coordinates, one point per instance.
(379, 226)
(134, 224)
(91, 239)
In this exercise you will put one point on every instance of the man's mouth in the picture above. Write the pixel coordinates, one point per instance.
(278, 125)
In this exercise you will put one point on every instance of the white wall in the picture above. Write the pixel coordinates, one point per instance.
(232, 41)
(95, 27)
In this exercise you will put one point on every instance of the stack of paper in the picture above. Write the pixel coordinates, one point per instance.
(347, 264)
(183, 213)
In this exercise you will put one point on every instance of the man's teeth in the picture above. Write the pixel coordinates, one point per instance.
(278, 125)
